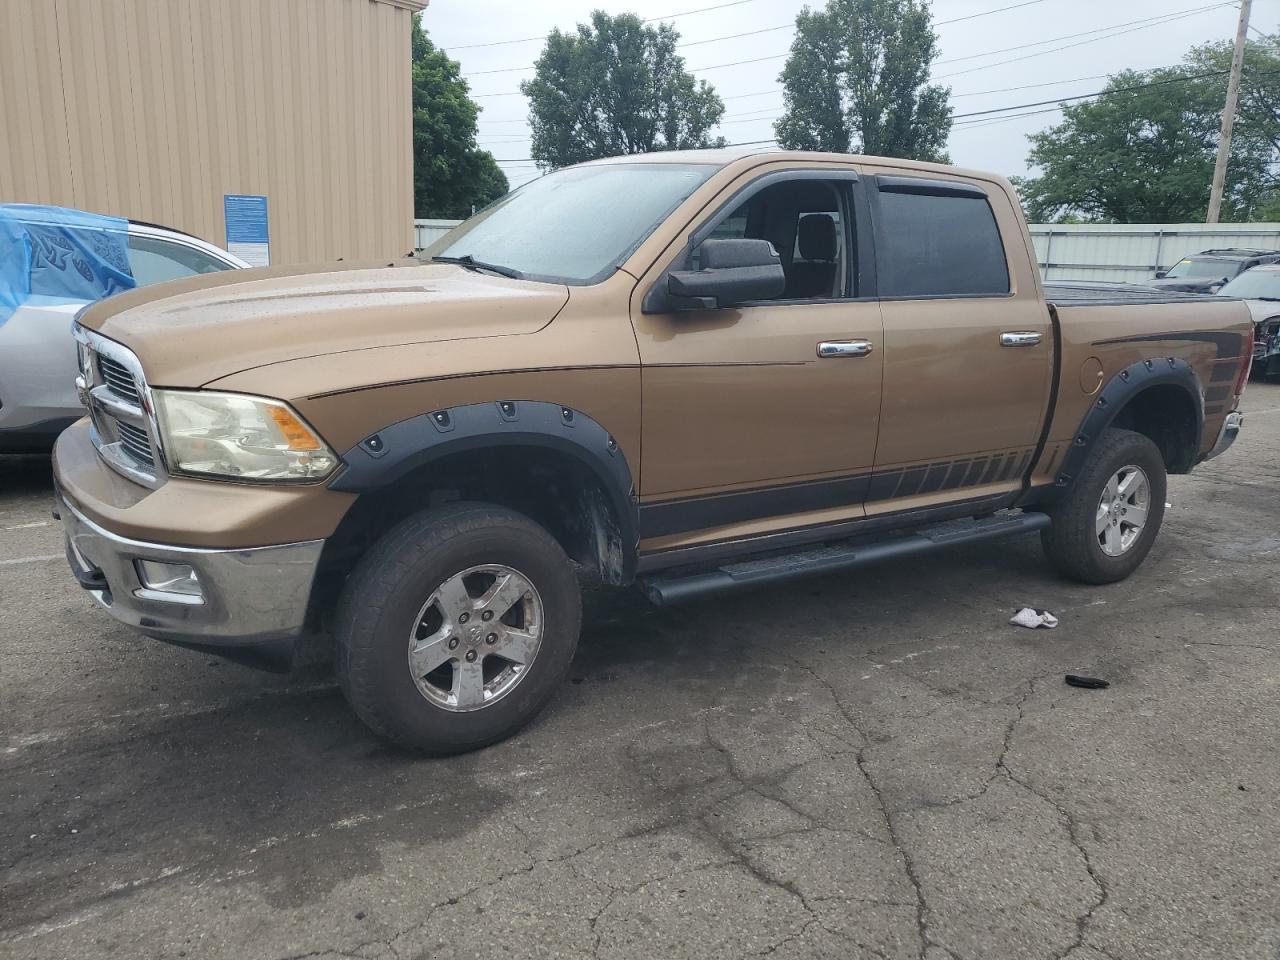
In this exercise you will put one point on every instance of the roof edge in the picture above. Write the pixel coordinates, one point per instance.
(413, 6)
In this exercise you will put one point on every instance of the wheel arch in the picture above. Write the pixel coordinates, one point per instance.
(1162, 399)
(552, 463)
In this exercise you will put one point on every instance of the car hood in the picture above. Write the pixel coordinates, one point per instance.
(1186, 285)
(190, 332)
(1263, 309)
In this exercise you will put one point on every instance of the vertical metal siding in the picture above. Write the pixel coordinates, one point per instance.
(154, 109)
(1134, 252)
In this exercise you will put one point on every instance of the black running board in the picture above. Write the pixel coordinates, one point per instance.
(836, 555)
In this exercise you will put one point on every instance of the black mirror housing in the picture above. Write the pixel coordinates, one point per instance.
(733, 272)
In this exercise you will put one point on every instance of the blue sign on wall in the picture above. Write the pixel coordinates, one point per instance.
(248, 235)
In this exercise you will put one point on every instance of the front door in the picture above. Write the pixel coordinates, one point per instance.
(746, 428)
(968, 344)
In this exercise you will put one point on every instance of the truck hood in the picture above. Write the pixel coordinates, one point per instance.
(193, 331)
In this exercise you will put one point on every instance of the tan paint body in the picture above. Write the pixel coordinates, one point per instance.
(700, 402)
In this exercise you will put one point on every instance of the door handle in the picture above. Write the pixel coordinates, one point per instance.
(844, 348)
(1019, 338)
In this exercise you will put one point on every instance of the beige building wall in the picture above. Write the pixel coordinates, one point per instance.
(156, 109)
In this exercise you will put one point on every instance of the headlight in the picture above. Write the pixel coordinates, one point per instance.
(238, 437)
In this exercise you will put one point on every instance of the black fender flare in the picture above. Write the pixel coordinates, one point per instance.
(394, 451)
(1122, 388)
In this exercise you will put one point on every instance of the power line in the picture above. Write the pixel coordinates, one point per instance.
(1072, 36)
(669, 16)
(986, 116)
(737, 36)
(791, 25)
(970, 124)
(768, 114)
(975, 124)
(987, 13)
(1140, 25)
(1145, 23)
(1080, 43)
(1056, 100)
(1098, 93)
(749, 33)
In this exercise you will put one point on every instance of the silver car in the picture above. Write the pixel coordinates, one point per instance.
(37, 352)
(1259, 287)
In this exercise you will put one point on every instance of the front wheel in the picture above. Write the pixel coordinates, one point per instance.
(1104, 529)
(457, 627)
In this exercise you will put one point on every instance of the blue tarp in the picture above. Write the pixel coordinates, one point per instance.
(67, 255)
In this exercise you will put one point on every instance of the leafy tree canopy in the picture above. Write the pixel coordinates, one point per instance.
(857, 79)
(616, 86)
(451, 175)
(1144, 151)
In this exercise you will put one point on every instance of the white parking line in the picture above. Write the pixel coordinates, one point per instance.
(39, 559)
(28, 526)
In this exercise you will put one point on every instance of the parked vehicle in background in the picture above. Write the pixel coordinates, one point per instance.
(689, 371)
(53, 262)
(1259, 287)
(1208, 270)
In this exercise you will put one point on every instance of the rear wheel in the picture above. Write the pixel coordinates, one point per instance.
(1104, 529)
(457, 627)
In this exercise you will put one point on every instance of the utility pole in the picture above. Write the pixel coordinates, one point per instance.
(1229, 115)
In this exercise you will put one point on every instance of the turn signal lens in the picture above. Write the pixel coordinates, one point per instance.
(292, 429)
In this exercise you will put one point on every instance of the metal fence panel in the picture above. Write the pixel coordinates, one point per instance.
(1135, 252)
(427, 232)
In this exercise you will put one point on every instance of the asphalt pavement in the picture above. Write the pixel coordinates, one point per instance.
(871, 764)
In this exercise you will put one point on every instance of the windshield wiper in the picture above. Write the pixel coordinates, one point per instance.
(471, 263)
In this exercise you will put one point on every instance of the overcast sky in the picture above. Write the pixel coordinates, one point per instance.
(1100, 37)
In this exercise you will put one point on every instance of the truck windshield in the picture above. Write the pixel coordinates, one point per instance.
(575, 225)
(1202, 270)
(1254, 285)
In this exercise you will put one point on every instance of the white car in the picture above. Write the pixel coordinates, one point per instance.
(1259, 287)
(53, 262)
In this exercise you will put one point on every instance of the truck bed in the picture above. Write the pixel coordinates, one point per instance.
(1077, 293)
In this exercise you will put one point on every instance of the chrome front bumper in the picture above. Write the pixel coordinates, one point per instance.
(245, 597)
(1227, 435)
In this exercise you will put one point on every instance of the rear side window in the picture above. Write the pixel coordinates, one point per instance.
(938, 245)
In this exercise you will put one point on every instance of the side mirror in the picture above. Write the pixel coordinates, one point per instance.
(1161, 274)
(733, 272)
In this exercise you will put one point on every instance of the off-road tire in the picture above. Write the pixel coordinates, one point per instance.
(387, 588)
(1071, 541)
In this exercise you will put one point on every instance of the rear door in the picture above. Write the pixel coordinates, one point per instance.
(968, 343)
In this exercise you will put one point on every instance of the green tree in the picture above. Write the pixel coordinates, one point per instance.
(857, 79)
(1144, 151)
(451, 174)
(616, 86)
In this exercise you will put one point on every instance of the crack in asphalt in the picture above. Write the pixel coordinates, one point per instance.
(860, 759)
(1082, 920)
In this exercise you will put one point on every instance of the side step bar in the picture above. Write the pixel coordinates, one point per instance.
(836, 555)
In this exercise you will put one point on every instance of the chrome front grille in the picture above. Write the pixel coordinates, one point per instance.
(119, 380)
(136, 443)
(114, 389)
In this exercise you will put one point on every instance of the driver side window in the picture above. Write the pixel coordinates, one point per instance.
(804, 221)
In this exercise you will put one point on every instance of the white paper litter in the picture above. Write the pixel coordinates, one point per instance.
(1031, 619)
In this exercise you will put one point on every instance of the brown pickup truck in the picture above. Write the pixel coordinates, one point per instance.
(687, 371)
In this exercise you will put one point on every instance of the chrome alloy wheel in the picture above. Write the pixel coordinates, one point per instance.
(476, 637)
(1122, 511)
